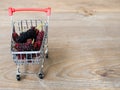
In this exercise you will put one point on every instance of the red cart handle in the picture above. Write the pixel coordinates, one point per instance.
(46, 10)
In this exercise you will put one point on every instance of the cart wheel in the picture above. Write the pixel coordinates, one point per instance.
(18, 77)
(41, 75)
(47, 55)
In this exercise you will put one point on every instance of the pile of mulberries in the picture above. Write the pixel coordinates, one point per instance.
(30, 40)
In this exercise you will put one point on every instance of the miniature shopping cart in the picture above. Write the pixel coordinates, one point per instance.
(30, 57)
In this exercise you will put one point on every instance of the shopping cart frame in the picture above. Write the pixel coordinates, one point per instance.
(39, 55)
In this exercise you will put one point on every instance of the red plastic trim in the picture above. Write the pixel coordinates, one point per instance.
(46, 10)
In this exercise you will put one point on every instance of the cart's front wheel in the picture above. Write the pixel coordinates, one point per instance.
(18, 77)
(41, 75)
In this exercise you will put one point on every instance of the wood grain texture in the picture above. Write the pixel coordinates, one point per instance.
(84, 54)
